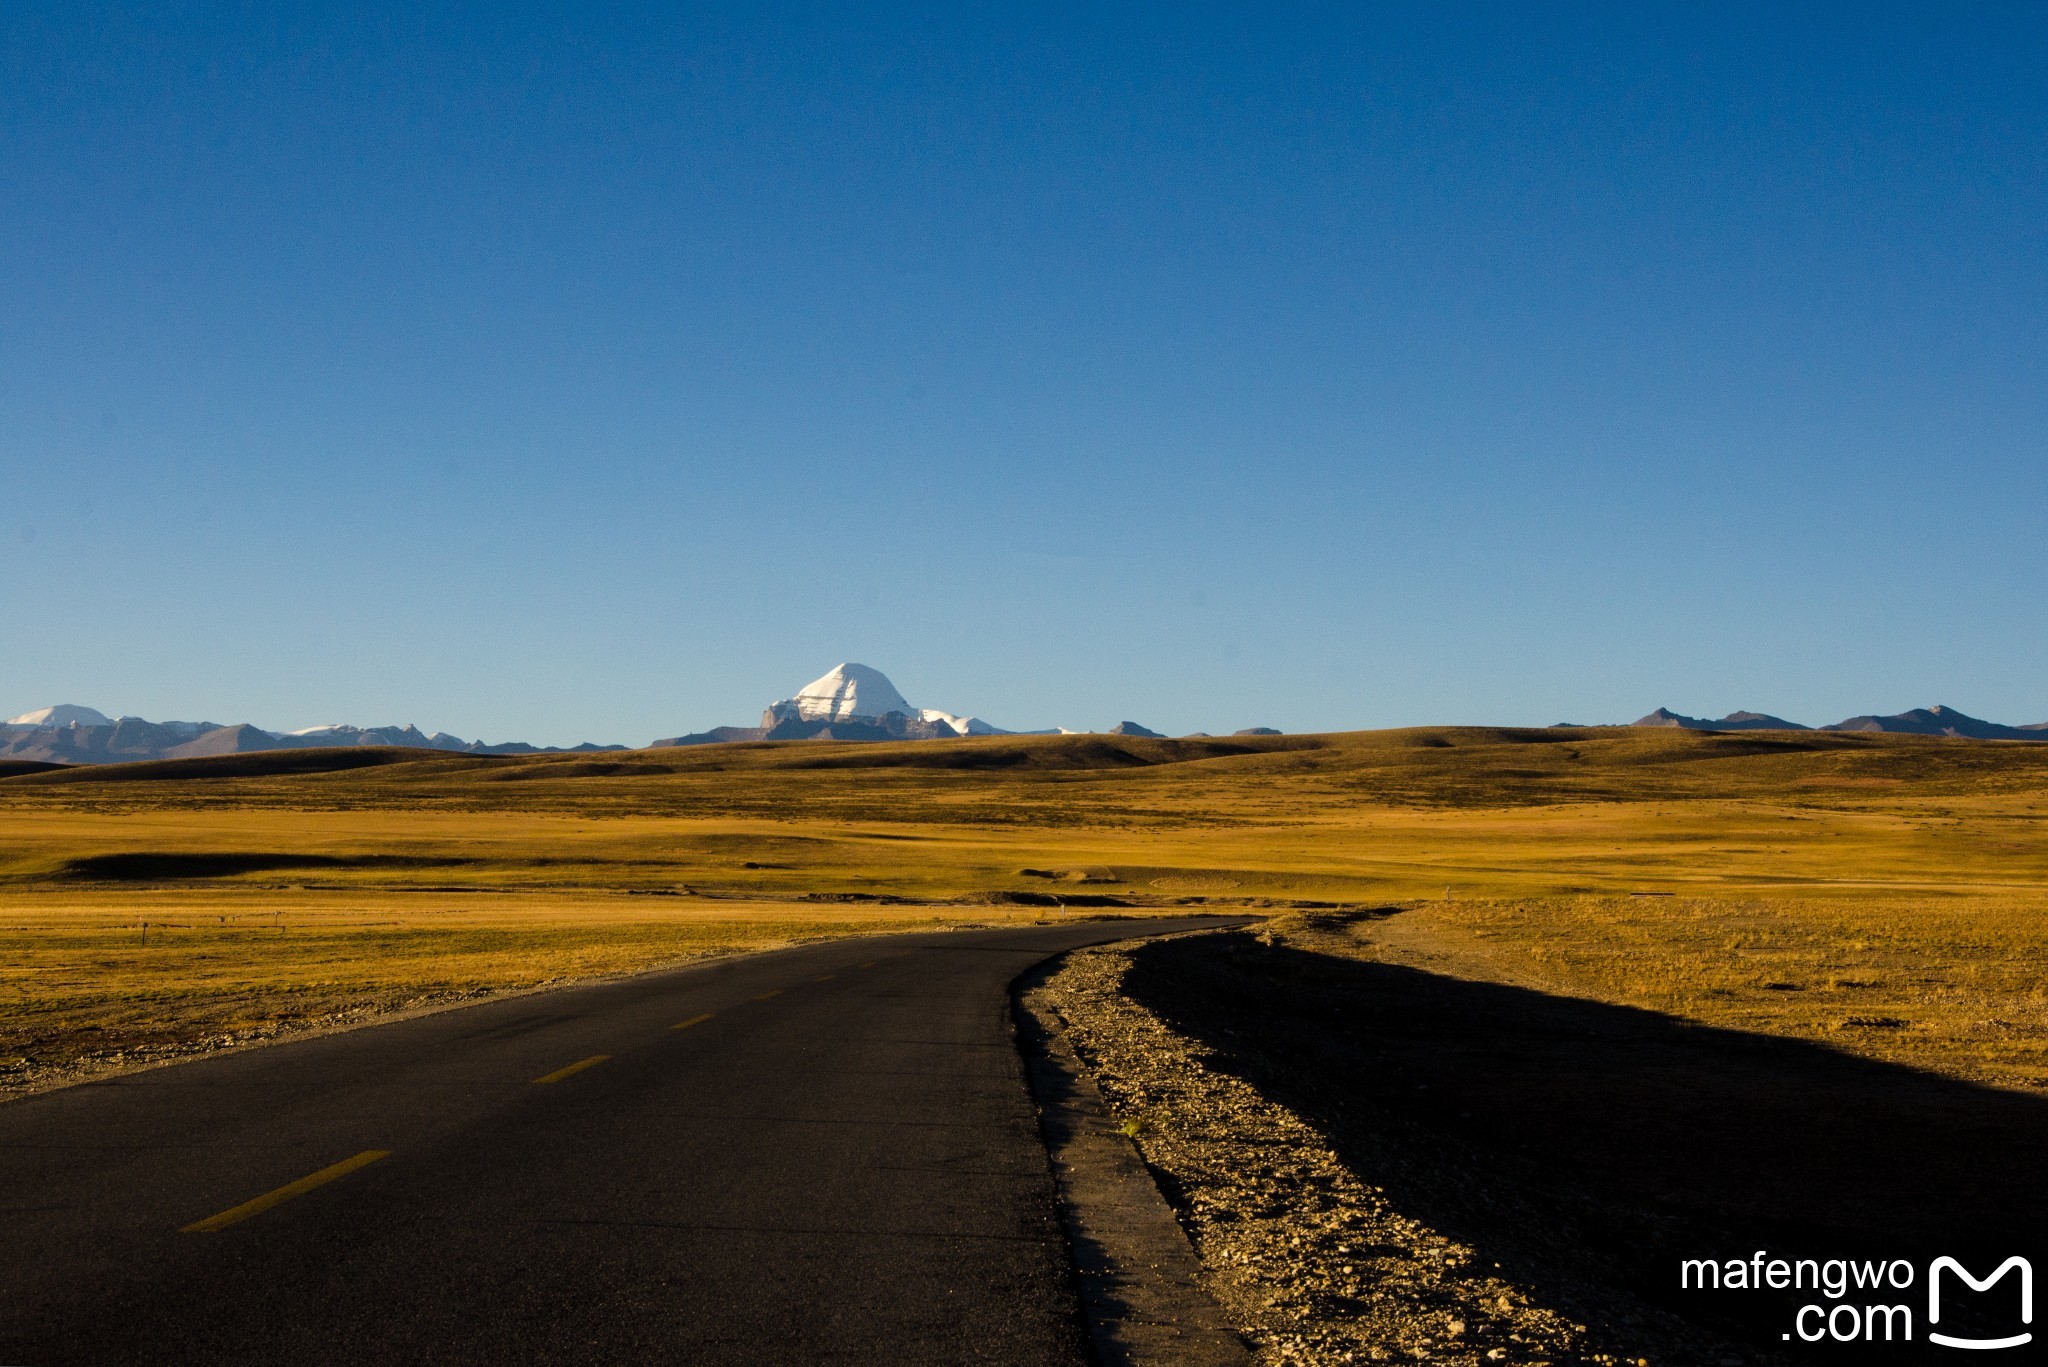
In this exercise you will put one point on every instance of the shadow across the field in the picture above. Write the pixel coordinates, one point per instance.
(1587, 1149)
(151, 866)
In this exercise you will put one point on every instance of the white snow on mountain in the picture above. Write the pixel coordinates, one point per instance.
(63, 714)
(847, 691)
(343, 733)
(853, 692)
(966, 726)
(69, 714)
(139, 738)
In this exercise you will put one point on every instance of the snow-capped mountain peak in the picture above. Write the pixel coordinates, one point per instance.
(966, 726)
(859, 693)
(63, 714)
(345, 733)
(847, 691)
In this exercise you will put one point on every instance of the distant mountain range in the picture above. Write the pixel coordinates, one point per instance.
(857, 702)
(1920, 721)
(848, 702)
(69, 734)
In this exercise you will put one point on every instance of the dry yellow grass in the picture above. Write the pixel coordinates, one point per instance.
(1953, 983)
(1916, 867)
(97, 978)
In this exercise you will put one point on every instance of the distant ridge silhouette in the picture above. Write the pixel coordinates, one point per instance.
(1920, 721)
(1942, 721)
(1734, 721)
(65, 735)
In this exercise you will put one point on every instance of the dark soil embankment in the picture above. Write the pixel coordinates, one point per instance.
(1586, 1149)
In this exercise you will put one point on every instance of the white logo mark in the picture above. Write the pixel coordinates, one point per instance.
(2026, 1300)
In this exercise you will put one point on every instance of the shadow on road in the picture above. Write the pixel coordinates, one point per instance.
(1588, 1148)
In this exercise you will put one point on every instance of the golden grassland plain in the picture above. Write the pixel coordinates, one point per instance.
(1887, 894)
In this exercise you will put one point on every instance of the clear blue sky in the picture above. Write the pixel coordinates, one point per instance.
(592, 372)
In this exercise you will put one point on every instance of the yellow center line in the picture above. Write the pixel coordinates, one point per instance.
(824, 977)
(572, 1069)
(766, 995)
(284, 1193)
(871, 963)
(694, 1020)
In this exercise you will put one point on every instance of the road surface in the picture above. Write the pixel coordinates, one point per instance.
(824, 1154)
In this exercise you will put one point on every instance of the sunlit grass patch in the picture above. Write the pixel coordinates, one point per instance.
(1951, 983)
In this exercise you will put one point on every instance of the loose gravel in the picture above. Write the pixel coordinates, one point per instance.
(1309, 1259)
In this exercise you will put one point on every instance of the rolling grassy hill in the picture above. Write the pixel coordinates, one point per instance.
(1437, 766)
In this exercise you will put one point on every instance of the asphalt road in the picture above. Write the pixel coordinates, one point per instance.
(822, 1154)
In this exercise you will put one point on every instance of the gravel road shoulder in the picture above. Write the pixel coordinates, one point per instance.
(1309, 1260)
(1325, 1246)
